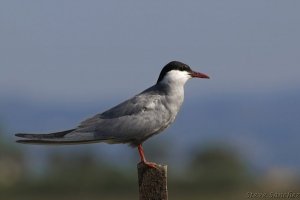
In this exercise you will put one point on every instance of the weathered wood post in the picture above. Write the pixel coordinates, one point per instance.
(152, 182)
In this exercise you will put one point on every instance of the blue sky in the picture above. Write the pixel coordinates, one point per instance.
(76, 50)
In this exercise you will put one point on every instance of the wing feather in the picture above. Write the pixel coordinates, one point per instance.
(135, 119)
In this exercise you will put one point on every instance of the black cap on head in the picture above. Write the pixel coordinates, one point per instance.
(174, 65)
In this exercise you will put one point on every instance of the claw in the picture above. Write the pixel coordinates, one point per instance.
(150, 164)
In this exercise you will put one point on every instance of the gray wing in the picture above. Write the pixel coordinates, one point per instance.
(132, 121)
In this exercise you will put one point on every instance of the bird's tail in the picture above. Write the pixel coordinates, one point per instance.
(55, 138)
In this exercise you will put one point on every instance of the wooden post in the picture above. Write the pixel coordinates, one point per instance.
(152, 182)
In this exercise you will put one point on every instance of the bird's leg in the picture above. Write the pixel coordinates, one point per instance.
(141, 152)
(143, 158)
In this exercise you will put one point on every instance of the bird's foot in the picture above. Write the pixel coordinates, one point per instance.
(150, 164)
(143, 158)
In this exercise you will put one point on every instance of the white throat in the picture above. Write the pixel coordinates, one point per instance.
(175, 81)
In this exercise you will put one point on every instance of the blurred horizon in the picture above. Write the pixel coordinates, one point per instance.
(236, 121)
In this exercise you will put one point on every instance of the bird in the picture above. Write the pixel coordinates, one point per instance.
(133, 121)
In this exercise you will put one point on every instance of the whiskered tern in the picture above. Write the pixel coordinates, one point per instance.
(132, 121)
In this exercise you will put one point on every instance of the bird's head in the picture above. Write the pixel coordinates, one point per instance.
(178, 73)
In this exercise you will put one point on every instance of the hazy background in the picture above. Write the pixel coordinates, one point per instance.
(63, 61)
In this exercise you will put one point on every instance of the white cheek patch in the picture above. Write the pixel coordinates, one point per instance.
(176, 77)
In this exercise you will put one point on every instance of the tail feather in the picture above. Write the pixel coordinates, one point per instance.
(44, 136)
(57, 142)
(55, 138)
(64, 137)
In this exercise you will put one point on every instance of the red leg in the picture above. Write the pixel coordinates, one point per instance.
(141, 152)
(143, 158)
